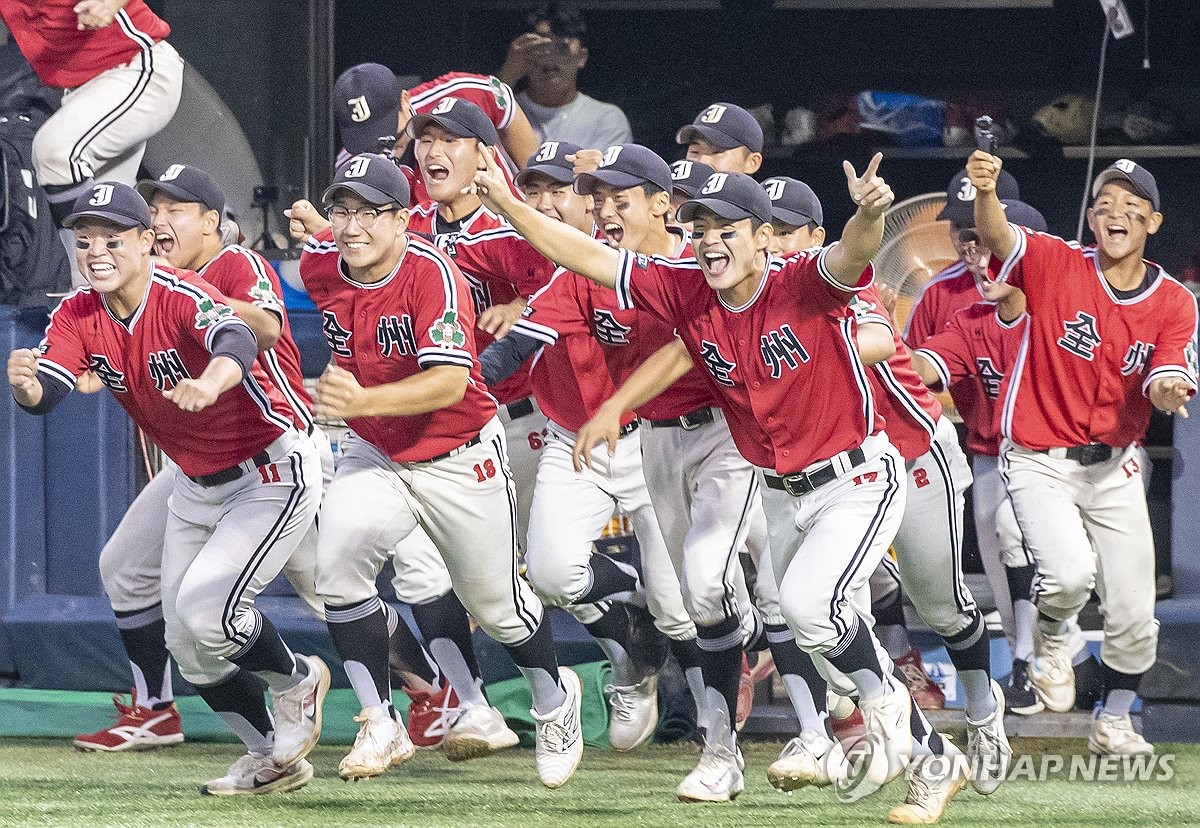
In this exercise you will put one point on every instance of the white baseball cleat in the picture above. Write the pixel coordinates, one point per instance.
(1051, 672)
(478, 731)
(988, 749)
(811, 758)
(718, 777)
(932, 783)
(256, 773)
(881, 755)
(298, 714)
(1114, 736)
(558, 748)
(382, 742)
(634, 713)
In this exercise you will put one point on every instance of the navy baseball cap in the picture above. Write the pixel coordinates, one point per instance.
(625, 166)
(366, 106)
(185, 183)
(111, 201)
(551, 161)
(1138, 177)
(374, 178)
(1020, 213)
(458, 117)
(725, 126)
(793, 202)
(732, 196)
(960, 197)
(689, 176)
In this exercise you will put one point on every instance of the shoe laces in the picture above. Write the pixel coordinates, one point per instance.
(716, 758)
(249, 762)
(368, 729)
(1120, 728)
(914, 675)
(554, 736)
(920, 789)
(623, 700)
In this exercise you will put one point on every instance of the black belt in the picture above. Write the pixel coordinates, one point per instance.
(802, 483)
(474, 441)
(628, 428)
(230, 474)
(1088, 455)
(520, 408)
(697, 418)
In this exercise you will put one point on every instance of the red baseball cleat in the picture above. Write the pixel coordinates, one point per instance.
(925, 692)
(137, 728)
(431, 714)
(745, 696)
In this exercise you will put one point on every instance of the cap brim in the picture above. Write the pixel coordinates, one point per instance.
(585, 183)
(685, 189)
(364, 137)
(957, 212)
(1117, 175)
(555, 173)
(419, 122)
(791, 217)
(729, 212)
(115, 218)
(366, 192)
(718, 139)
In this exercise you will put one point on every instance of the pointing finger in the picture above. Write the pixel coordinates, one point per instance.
(873, 167)
(851, 174)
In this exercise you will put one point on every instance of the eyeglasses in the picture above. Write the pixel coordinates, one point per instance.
(366, 217)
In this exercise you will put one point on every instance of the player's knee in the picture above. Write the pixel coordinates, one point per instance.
(707, 608)
(814, 631)
(1069, 585)
(1130, 645)
(112, 572)
(555, 582)
(52, 159)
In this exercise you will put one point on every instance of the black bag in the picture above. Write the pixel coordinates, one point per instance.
(33, 262)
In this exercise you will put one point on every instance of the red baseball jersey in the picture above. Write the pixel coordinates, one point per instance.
(168, 339)
(947, 293)
(1088, 354)
(499, 265)
(792, 343)
(418, 317)
(243, 274)
(572, 379)
(62, 55)
(489, 93)
(909, 409)
(978, 343)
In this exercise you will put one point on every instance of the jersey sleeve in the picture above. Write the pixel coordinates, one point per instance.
(200, 310)
(64, 357)
(646, 283)
(503, 255)
(1037, 264)
(868, 308)
(807, 271)
(555, 310)
(1175, 348)
(248, 278)
(923, 322)
(443, 315)
(949, 352)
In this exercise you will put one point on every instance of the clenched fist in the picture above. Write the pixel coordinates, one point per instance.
(193, 394)
(304, 220)
(22, 376)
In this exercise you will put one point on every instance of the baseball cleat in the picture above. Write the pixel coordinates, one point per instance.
(745, 696)
(717, 778)
(811, 758)
(987, 748)
(136, 728)
(478, 731)
(1052, 674)
(921, 687)
(881, 755)
(634, 713)
(932, 783)
(381, 743)
(1020, 696)
(1114, 736)
(558, 748)
(430, 715)
(255, 774)
(298, 714)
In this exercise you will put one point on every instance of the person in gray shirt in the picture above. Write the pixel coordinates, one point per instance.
(549, 58)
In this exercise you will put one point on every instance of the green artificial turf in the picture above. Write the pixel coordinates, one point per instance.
(45, 782)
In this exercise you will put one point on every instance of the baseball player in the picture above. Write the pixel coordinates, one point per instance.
(967, 343)
(588, 343)
(121, 83)
(725, 137)
(247, 484)
(186, 210)
(428, 450)
(372, 114)
(1109, 335)
(686, 178)
(830, 516)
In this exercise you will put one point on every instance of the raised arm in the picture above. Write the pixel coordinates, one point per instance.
(995, 233)
(519, 137)
(863, 232)
(559, 242)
